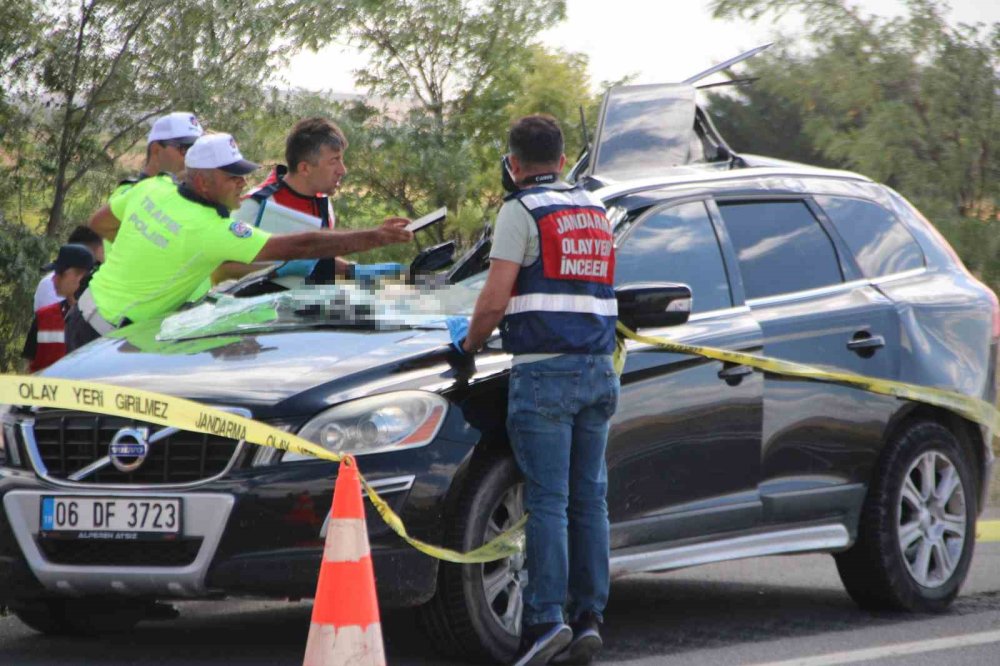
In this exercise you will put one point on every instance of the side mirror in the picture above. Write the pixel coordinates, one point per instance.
(476, 260)
(653, 304)
(433, 258)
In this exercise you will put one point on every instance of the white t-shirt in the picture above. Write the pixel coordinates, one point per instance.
(45, 292)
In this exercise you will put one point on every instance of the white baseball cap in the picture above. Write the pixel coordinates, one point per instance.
(218, 151)
(177, 126)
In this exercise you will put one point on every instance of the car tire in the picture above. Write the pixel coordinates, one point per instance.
(917, 529)
(79, 617)
(462, 619)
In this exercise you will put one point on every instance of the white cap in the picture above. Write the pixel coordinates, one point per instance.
(218, 151)
(177, 126)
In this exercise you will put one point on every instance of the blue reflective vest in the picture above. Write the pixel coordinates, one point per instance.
(564, 302)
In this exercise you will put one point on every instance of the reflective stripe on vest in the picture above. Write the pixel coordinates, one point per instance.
(50, 338)
(564, 302)
(607, 307)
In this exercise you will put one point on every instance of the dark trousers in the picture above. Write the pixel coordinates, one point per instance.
(78, 331)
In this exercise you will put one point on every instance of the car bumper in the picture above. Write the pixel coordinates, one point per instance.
(260, 532)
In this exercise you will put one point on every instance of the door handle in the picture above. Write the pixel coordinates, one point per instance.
(864, 344)
(734, 374)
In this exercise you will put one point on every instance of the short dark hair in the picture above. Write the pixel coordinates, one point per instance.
(307, 137)
(84, 235)
(536, 140)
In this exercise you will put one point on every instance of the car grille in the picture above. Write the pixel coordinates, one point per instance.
(67, 442)
(121, 553)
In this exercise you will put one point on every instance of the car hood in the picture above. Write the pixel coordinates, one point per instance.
(262, 367)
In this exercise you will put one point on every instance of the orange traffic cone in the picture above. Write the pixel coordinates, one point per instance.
(345, 627)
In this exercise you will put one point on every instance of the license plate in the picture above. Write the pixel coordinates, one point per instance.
(106, 517)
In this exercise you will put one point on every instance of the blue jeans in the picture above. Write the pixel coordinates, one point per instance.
(557, 419)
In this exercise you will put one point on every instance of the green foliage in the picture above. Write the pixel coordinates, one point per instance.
(22, 252)
(555, 82)
(97, 71)
(910, 101)
(461, 71)
(448, 55)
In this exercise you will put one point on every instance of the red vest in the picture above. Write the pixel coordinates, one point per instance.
(275, 192)
(51, 337)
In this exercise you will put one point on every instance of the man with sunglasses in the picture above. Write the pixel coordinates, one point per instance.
(166, 144)
(168, 141)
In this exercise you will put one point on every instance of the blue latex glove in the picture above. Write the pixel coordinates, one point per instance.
(297, 268)
(371, 272)
(458, 328)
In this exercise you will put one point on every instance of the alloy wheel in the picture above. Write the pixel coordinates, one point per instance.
(504, 580)
(932, 519)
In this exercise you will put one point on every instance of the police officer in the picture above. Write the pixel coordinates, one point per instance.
(553, 248)
(168, 140)
(170, 237)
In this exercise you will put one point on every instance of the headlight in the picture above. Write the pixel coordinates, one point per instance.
(381, 423)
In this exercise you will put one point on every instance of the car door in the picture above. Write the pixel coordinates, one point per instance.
(813, 306)
(684, 449)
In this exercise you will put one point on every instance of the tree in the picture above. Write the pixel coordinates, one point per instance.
(104, 68)
(760, 118)
(911, 101)
(463, 70)
(557, 83)
(21, 253)
(449, 56)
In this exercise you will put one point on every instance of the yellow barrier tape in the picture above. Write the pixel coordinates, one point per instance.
(988, 530)
(974, 409)
(189, 415)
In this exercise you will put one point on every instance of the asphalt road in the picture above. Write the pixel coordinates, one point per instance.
(774, 611)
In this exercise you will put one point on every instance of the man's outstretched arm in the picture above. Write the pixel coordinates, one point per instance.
(321, 244)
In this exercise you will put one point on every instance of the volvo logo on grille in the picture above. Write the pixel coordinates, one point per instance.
(129, 449)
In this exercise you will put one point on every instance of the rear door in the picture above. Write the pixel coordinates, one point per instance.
(684, 450)
(814, 306)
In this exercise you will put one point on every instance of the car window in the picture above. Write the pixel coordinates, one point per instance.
(676, 244)
(781, 247)
(879, 241)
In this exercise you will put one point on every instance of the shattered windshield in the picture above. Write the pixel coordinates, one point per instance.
(381, 307)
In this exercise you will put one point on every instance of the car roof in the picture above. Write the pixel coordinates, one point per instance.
(714, 173)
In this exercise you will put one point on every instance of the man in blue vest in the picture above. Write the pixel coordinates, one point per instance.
(550, 288)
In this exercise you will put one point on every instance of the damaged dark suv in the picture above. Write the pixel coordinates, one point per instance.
(706, 461)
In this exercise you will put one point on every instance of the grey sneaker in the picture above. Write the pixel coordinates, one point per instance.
(541, 642)
(585, 644)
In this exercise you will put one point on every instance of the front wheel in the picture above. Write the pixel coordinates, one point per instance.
(476, 611)
(917, 529)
